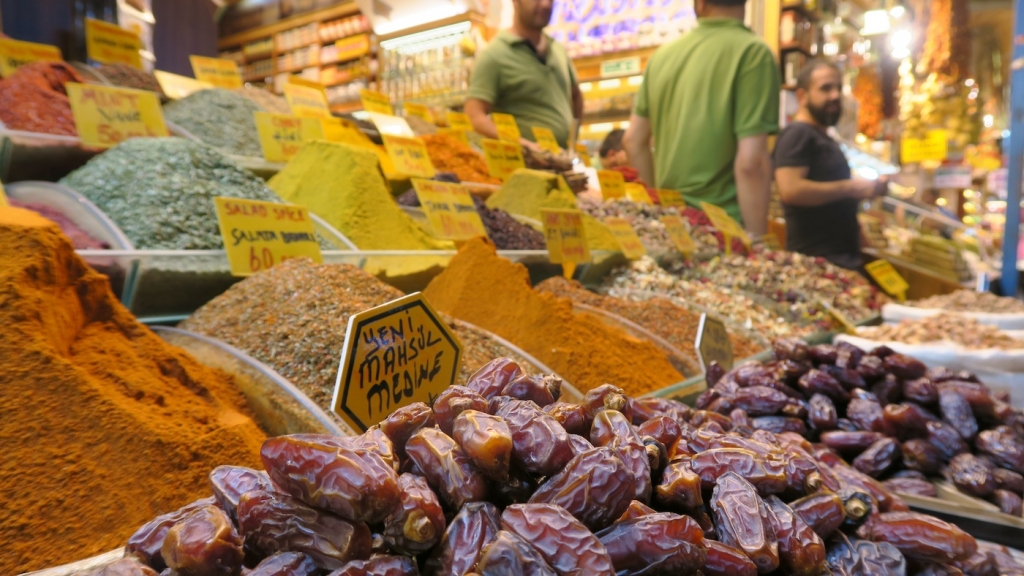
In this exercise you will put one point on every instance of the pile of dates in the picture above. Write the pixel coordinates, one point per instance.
(888, 415)
(500, 478)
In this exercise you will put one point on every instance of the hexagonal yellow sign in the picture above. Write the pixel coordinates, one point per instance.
(394, 355)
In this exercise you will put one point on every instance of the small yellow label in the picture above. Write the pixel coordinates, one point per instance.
(419, 111)
(679, 234)
(772, 241)
(563, 185)
(503, 158)
(725, 224)
(106, 116)
(394, 355)
(450, 210)
(281, 136)
(613, 184)
(374, 101)
(459, 135)
(565, 236)
(583, 154)
(178, 87)
(508, 130)
(341, 130)
(888, 278)
(258, 235)
(839, 317)
(671, 198)
(409, 155)
(216, 71)
(637, 193)
(546, 139)
(352, 47)
(307, 101)
(628, 240)
(934, 146)
(713, 344)
(110, 44)
(459, 121)
(3, 196)
(14, 54)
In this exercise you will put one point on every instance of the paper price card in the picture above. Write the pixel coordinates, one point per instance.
(307, 101)
(419, 111)
(106, 116)
(721, 220)
(546, 139)
(14, 54)
(679, 235)
(671, 198)
(888, 278)
(450, 210)
(637, 193)
(565, 235)
(503, 158)
(508, 130)
(216, 71)
(713, 343)
(394, 355)
(409, 155)
(3, 196)
(393, 125)
(459, 121)
(627, 238)
(110, 44)
(374, 101)
(839, 317)
(258, 235)
(459, 135)
(934, 146)
(177, 87)
(583, 154)
(613, 184)
(281, 136)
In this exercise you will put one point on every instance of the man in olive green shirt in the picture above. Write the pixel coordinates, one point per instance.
(711, 98)
(525, 73)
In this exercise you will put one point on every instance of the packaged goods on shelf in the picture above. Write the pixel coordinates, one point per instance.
(220, 118)
(266, 100)
(987, 308)
(448, 154)
(955, 328)
(34, 100)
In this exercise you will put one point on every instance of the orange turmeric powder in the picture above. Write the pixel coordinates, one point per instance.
(449, 154)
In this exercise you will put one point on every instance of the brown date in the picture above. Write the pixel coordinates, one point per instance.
(868, 415)
(607, 397)
(759, 400)
(417, 523)
(286, 564)
(543, 390)
(978, 396)
(510, 555)
(723, 560)
(779, 424)
(907, 420)
(940, 374)
(539, 443)
(659, 543)
(945, 439)
(401, 424)
(680, 487)
(878, 458)
(204, 544)
(1005, 446)
(822, 511)
(790, 349)
(701, 417)
(980, 564)
(913, 486)
(922, 390)
(850, 443)
(921, 537)
(519, 486)
(818, 382)
(1008, 480)
(801, 550)
(230, 482)
(741, 520)
(596, 487)
(768, 476)
(612, 430)
(271, 522)
(145, 544)
(579, 444)
(789, 371)
(566, 544)
(889, 390)
(492, 378)
(572, 417)
(740, 419)
(447, 468)
(472, 530)
(636, 510)
(379, 565)
(886, 500)
(848, 377)
(1008, 502)
(841, 556)
(880, 558)
(758, 447)
(354, 483)
(871, 368)
(904, 367)
(822, 414)
(714, 373)
(646, 408)
(823, 354)
(916, 475)
(971, 475)
(663, 429)
(455, 400)
(922, 456)
(486, 440)
(956, 412)
(848, 355)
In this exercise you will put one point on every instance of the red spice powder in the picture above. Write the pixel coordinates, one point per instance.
(34, 99)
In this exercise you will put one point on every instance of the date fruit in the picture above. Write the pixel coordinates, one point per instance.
(401, 424)
(572, 417)
(768, 476)
(418, 522)
(455, 400)
(472, 530)
(542, 390)
(801, 550)
(1005, 446)
(723, 560)
(612, 430)
(286, 564)
(878, 458)
(659, 543)
(566, 544)
(145, 544)
(741, 520)
(204, 544)
(921, 537)
(510, 555)
(596, 487)
(823, 512)
(487, 440)
(492, 378)
(971, 475)
(680, 487)
(230, 482)
(539, 443)
(447, 468)
(379, 565)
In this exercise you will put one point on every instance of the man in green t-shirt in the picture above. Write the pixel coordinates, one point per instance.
(707, 104)
(525, 73)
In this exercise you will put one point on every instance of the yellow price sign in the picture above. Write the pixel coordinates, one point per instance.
(418, 111)
(459, 121)
(583, 154)
(627, 238)
(566, 238)
(110, 44)
(934, 146)
(374, 101)
(257, 235)
(508, 129)
(637, 193)
(839, 317)
(106, 116)
(14, 54)
(563, 185)
(3, 196)
(216, 71)
(713, 344)
(725, 224)
(394, 355)
(282, 136)
(177, 87)
(679, 234)
(307, 101)
(546, 139)
(888, 278)
(409, 156)
(459, 135)
(450, 210)
(671, 198)
(613, 184)
(503, 158)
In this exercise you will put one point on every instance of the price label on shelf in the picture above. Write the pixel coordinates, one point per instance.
(341, 130)
(450, 210)
(14, 54)
(459, 135)
(374, 101)
(508, 130)
(566, 237)
(418, 111)
(637, 193)
(106, 116)
(713, 343)
(839, 317)
(888, 278)
(546, 139)
(934, 146)
(257, 235)
(679, 234)
(503, 158)
(110, 44)
(3, 196)
(459, 121)
(613, 184)
(725, 224)
(307, 101)
(282, 136)
(177, 87)
(394, 355)
(583, 154)
(409, 156)
(671, 198)
(627, 238)
(216, 71)
(393, 125)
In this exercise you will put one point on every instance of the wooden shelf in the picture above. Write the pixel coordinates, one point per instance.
(262, 32)
(792, 47)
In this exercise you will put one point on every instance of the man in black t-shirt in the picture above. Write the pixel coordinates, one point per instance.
(818, 195)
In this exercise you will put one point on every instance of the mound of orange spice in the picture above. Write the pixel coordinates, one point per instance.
(449, 154)
(33, 99)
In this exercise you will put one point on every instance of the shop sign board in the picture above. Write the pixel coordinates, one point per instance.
(374, 101)
(419, 111)
(219, 72)
(258, 235)
(621, 67)
(630, 243)
(637, 193)
(713, 343)
(958, 177)
(307, 101)
(508, 130)
(679, 234)
(503, 158)
(671, 198)
(459, 121)
(14, 54)
(394, 355)
(725, 224)
(177, 87)
(934, 146)
(282, 136)
(449, 209)
(106, 116)
(546, 139)
(409, 156)
(888, 278)
(613, 184)
(110, 44)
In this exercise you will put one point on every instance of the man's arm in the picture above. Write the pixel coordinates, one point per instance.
(577, 101)
(753, 171)
(796, 190)
(479, 116)
(637, 142)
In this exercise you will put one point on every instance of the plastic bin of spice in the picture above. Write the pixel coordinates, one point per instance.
(39, 156)
(257, 166)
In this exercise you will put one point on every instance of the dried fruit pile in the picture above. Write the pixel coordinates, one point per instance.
(972, 301)
(499, 477)
(449, 154)
(966, 332)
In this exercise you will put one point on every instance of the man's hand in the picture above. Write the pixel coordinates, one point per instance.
(864, 189)
(530, 145)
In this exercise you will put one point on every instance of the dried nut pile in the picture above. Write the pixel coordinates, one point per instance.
(966, 332)
(644, 218)
(499, 477)
(971, 301)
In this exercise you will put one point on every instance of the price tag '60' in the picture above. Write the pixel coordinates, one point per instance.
(258, 235)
